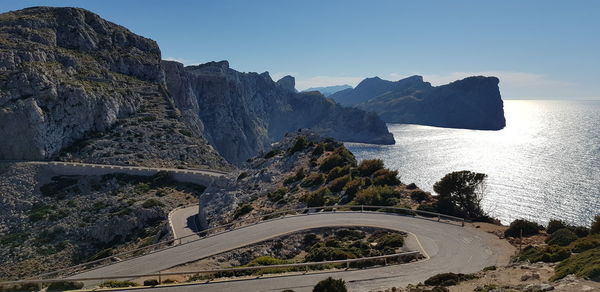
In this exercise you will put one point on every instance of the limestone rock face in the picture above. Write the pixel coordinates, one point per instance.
(243, 113)
(63, 72)
(77, 87)
(471, 103)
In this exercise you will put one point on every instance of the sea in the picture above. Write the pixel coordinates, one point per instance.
(545, 164)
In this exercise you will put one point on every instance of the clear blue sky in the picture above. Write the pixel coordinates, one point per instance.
(539, 49)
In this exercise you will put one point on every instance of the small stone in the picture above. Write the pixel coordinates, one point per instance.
(546, 287)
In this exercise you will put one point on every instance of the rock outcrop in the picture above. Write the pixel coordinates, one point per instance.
(70, 79)
(471, 103)
(243, 113)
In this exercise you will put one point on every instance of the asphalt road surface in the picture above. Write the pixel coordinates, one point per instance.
(451, 248)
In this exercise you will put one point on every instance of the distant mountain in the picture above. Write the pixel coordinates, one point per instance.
(471, 103)
(329, 90)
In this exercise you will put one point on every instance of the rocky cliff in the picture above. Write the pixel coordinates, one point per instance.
(471, 103)
(242, 113)
(69, 78)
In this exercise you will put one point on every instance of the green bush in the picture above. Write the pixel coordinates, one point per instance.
(339, 158)
(278, 194)
(419, 196)
(151, 282)
(338, 172)
(389, 240)
(298, 175)
(331, 285)
(562, 237)
(327, 253)
(386, 177)
(548, 254)
(338, 184)
(529, 228)
(65, 285)
(320, 197)
(118, 284)
(313, 179)
(349, 234)
(242, 210)
(150, 203)
(377, 195)
(300, 144)
(352, 187)
(448, 279)
(141, 188)
(310, 239)
(369, 166)
(584, 265)
(554, 225)
(585, 243)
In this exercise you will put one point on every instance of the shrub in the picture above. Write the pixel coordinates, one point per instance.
(411, 186)
(313, 179)
(310, 239)
(152, 203)
(369, 166)
(461, 193)
(331, 285)
(580, 231)
(554, 225)
(529, 228)
(169, 281)
(151, 282)
(65, 285)
(340, 157)
(300, 144)
(428, 208)
(320, 197)
(384, 177)
(319, 150)
(242, 210)
(352, 187)
(389, 240)
(271, 154)
(419, 196)
(118, 284)
(377, 195)
(338, 184)
(327, 253)
(349, 234)
(585, 243)
(448, 279)
(548, 254)
(337, 172)
(562, 237)
(595, 228)
(490, 268)
(277, 195)
(298, 175)
(141, 188)
(584, 265)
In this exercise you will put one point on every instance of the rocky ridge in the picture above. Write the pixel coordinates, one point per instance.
(243, 113)
(470, 103)
(69, 78)
(304, 169)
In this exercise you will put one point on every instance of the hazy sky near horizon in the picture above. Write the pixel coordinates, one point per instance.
(538, 49)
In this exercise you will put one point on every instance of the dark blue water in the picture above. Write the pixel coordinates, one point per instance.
(545, 164)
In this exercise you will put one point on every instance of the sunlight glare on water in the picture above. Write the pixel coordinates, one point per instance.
(545, 164)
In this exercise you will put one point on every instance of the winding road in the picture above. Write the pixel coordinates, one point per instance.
(451, 248)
